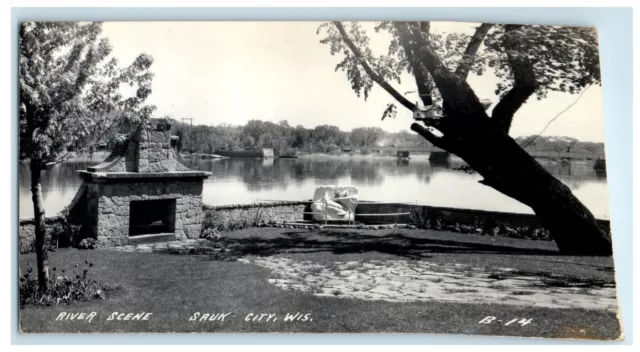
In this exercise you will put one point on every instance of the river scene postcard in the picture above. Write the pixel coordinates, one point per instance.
(313, 177)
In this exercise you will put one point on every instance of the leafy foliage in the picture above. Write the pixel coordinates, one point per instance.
(70, 88)
(211, 234)
(66, 233)
(384, 66)
(88, 243)
(69, 98)
(77, 286)
(365, 136)
(215, 222)
(426, 221)
(391, 111)
(565, 59)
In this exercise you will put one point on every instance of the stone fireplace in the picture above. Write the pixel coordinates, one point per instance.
(142, 192)
(147, 217)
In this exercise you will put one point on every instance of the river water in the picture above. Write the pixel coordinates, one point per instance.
(240, 181)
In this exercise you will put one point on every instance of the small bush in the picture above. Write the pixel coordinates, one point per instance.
(66, 233)
(488, 227)
(419, 219)
(62, 288)
(29, 244)
(215, 220)
(211, 234)
(87, 243)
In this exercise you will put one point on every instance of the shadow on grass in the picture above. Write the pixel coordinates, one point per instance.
(346, 242)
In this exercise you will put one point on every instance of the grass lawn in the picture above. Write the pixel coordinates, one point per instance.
(173, 287)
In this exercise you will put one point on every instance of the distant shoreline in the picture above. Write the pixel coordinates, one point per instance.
(101, 155)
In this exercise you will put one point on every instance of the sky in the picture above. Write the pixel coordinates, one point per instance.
(232, 72)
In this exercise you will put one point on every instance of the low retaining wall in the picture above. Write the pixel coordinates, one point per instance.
(223, 217)
(471, 217)
(27, 231)
(440, 218)
(233, 216)
(239, 215)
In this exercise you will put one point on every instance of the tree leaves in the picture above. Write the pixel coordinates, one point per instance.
(390, 111)
(70, 88)
(565, 59)
(385, 66)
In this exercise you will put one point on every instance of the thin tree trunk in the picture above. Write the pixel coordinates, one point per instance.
(40, 229)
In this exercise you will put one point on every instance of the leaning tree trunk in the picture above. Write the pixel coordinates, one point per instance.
(483, 143)
(40, 229)
(510, 170)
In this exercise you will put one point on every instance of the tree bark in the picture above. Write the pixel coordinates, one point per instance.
(40, 228)
(507, 107)
(524, 83)
(507, 168)
(420, 75)
(469, 55)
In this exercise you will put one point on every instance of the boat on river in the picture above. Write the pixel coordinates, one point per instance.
(254, 153)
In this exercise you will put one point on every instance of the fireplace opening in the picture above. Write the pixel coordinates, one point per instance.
(152, 217)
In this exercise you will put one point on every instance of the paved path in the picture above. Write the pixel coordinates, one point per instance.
(409, 280)
(420, 280)
(184, 246)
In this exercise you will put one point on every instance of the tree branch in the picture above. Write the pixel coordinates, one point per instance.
(459, 99)
(440, 142)
(425, 27)
(374, 76)
(472, 49)
(419, 72)
(524, 85)
(81, 150)
(522, 89)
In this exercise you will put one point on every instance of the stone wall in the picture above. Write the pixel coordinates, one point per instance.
(189, 213)
(27, 231)
(450, 215)
(228, 215)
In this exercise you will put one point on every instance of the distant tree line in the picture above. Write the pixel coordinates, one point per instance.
(289, 140)
(286, 139)
(560, 145)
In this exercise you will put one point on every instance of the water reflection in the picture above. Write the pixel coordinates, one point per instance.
(377, 178)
